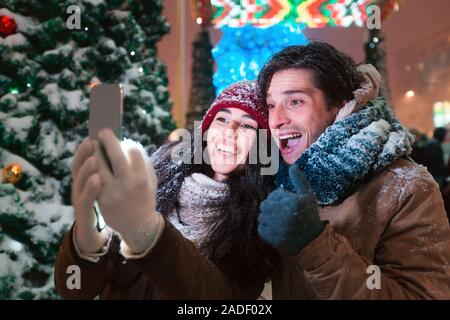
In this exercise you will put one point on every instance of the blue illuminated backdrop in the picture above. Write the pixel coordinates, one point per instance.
(242, 51)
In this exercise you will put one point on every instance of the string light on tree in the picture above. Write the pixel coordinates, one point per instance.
(14, 91)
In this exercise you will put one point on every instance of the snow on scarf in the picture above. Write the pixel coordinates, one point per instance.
(351, 151)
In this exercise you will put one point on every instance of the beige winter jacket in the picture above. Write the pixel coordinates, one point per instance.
(397, 222)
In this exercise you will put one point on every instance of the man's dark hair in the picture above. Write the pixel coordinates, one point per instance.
(333, 71)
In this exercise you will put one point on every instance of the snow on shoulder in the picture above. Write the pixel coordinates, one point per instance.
(412, 177)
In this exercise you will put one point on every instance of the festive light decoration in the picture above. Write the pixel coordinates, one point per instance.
(7, 26)
(12, 173)
(255, 29)
(306, 13)
(242, 52)
(441, 113)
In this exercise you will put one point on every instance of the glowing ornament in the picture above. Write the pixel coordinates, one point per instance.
(12, 173)
(94, 82)
(7, 26)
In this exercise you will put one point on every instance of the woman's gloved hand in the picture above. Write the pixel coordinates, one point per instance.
(289, 221)
(127, 198)
(85, 188)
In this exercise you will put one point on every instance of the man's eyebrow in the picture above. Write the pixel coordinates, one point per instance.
(305, 91)
(289, 92)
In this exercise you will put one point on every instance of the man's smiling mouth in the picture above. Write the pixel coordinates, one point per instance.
(288, 141)
(227, 150)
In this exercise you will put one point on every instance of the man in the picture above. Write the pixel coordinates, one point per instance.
(355, 217)
(434, 156)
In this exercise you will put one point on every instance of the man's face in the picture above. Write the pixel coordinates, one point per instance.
(298, 113)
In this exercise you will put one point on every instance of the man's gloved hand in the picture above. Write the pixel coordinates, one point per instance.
(289, 221)
(127, 197)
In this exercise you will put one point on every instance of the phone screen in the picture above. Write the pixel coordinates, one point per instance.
(106, 105)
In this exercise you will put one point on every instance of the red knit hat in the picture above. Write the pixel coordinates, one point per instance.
(243, 95)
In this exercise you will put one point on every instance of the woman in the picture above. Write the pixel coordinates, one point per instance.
(199, 240)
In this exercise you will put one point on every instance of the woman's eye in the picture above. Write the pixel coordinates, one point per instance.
(271, 106)
(221, 119)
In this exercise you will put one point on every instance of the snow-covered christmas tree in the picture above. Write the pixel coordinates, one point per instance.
(202, 89)
(48, 65)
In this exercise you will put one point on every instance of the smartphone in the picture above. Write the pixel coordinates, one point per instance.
(106, 109)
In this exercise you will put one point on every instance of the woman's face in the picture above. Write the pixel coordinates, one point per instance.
(230, 137)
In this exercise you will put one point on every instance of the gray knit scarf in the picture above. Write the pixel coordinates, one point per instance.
(200, 198)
